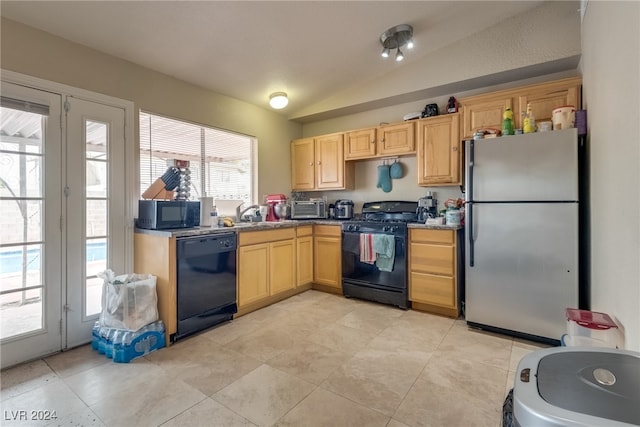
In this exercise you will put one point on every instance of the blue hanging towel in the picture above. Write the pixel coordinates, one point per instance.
(385, 248)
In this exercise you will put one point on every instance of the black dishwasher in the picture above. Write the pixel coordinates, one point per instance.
(206, 274)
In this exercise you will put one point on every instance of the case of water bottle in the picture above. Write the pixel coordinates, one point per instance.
(123, 345)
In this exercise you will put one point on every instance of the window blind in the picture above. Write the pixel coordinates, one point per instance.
(221, 162)
(29, 107)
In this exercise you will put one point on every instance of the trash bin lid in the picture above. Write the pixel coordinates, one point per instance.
(590, 319)
(600, 384)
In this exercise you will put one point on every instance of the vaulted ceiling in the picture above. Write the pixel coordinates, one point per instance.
(312, 50)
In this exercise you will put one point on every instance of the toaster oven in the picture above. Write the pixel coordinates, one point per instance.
(308, 209)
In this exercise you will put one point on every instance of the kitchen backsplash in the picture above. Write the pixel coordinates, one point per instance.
(405, 188)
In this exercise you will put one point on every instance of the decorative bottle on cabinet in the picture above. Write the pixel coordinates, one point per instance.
(529, 122)
(507, 122)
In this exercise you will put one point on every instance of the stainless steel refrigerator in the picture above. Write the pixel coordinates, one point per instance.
(522, 224)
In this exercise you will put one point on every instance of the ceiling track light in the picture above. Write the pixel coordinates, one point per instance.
(395, 38)
(278, 100)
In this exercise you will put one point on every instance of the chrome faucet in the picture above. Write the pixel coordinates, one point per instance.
(240, 213)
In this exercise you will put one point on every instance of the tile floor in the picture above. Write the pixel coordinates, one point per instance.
(315, 359)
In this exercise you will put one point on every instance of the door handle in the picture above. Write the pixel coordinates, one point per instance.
(470, 198)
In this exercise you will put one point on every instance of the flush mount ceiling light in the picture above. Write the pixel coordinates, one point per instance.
(278, 100)
(395, 38)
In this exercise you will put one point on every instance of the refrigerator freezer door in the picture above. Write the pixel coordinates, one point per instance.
(525, 266)
(531, 167)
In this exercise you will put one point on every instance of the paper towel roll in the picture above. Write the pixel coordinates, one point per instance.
(206, 205)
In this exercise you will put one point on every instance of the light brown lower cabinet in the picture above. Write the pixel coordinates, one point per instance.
(272, 265)
(327, 258)
(282, 266)
(433, 271)
(253, 273)
(157, 255)
(304, 249)
(266, 267)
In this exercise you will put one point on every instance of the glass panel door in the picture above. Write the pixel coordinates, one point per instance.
(96, 212)
(96, 217)
(30, 213)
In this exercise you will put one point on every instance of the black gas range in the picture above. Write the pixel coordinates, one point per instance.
(374, 252)
(387, 217)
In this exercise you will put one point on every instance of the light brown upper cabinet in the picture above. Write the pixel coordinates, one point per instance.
(485, 111)
(318, 164)
(439, 154)
(547, 97)
(386, 140)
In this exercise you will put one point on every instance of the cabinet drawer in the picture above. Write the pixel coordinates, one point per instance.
(327, 230)
(428, 258)
(253, 237)
(306, 230)
(436, 236)
(430, 289)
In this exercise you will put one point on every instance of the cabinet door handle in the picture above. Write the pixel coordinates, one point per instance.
(454, 149)
(373, 141)
(318, 163)
(310, 163)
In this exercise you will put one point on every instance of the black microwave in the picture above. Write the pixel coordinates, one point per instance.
(165, 214)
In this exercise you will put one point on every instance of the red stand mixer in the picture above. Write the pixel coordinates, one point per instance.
(271, 200)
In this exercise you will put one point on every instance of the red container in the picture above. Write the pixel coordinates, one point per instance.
(598, 329)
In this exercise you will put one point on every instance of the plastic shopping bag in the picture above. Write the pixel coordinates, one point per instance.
(129, 301)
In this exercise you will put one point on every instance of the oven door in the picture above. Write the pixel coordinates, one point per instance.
(360, 273)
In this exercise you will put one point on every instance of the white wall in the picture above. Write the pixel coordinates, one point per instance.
(611, 90)
(36, 53)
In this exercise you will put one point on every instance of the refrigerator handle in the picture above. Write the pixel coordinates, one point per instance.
(469, 175)
(469, 220)
(469, 194)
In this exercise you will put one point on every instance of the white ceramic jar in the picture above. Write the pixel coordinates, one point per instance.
(452, 217)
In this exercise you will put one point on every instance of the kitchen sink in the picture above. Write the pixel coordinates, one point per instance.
(246, 224)
(262, 224)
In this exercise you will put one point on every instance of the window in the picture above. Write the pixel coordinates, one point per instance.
(22, 147)
(221, 163)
